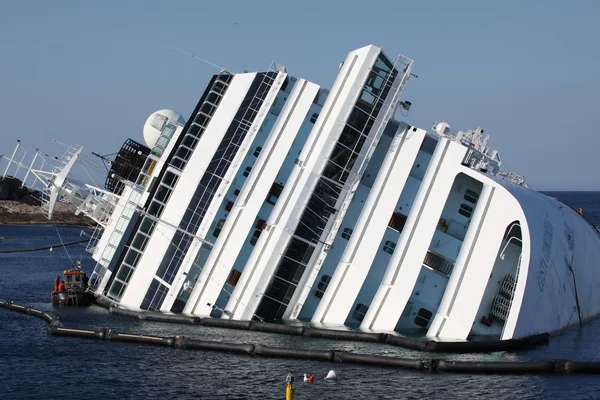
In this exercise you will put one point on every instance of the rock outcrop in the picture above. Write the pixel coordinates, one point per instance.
(21, 206)
(10, 189)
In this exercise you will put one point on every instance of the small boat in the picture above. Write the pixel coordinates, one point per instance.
(76, 292)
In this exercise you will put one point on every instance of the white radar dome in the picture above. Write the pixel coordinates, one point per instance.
(156, 121)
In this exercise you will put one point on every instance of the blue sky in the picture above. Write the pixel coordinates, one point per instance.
(526, 71)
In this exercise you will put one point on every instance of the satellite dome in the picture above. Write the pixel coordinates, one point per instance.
(155, 123)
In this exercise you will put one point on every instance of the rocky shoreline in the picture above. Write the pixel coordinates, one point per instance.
(21, 206)
(17, 213)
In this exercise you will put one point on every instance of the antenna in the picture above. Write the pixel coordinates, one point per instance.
(198, 58)
(105, 160)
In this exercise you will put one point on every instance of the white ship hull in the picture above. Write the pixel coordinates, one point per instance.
(282, 200)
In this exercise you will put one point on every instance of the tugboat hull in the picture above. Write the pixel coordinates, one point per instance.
(77, 299)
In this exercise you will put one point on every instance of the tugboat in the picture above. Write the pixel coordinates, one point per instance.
(75, 291)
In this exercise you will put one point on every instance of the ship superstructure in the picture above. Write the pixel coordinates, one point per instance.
(281, 200)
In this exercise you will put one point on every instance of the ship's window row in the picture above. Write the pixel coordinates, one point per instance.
(322, 286)
(201, 121)
(210, 181)
(169, 180)
(141, 238)
(213, 176)
(321, 204)
(227, 150)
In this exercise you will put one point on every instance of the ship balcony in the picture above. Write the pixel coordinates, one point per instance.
(438, 263)
(452, 228)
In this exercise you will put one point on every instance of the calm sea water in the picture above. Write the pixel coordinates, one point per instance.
(34, 365)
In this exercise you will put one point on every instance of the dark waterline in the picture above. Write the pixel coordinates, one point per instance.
(34, 365)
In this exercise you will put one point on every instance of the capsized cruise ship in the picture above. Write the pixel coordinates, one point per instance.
(281, 200)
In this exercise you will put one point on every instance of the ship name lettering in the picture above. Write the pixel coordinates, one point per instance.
(546, 252)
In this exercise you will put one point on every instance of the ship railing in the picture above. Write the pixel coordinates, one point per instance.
(509, 286)
(93, 242)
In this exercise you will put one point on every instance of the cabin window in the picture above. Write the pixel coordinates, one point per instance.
(347, 233)
(257, 151)
(234, 277)
(218, 228)
(359, 312)
(397, 221)
(471, 196)
(465, 210)
(162, 194)
(274, 193)
(201, 120)
(208, 109)
(147, 226)
(389, 247)
(213, 97)
(170, 179)
(229, 206)
(313, 118)
(132, 257)
(255, 236)
(247, 171)
(423, 317)
(322, 286)
(140, 241)
(155, 209)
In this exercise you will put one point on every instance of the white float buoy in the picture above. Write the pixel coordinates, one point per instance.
(305, 378)
(331, 375)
